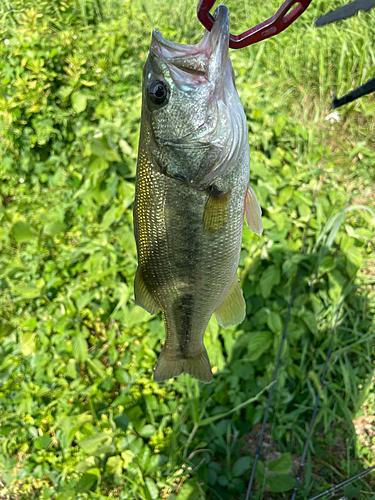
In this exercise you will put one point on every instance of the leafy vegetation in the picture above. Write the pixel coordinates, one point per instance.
(80, 415)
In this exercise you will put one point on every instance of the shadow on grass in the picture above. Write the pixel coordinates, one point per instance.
(327, 293)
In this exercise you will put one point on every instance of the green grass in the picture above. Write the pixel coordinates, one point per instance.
(80, 417)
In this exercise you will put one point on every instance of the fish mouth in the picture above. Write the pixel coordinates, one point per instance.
(208, 58)
(218, 40)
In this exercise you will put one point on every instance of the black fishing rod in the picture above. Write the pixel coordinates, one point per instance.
(335, 16)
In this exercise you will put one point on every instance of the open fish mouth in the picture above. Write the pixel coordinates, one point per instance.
(208, 58)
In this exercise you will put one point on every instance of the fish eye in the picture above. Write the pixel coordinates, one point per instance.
(158, 92)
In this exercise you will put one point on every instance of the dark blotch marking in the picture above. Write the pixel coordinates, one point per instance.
(215, 193)
(183, 312)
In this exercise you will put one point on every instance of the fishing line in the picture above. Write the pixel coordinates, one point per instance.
(265, 419)
(300, 470)
(344, 483)
(322, 383)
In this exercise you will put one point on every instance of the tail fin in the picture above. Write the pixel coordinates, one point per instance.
(196, 366)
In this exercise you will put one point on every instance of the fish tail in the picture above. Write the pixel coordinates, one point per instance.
(196, 366)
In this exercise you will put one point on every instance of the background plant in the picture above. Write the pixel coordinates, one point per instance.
(80, 415)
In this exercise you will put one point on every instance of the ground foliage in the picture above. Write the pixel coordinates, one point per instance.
(80, 415)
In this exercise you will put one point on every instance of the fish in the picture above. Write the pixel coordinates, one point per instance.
(191, 194)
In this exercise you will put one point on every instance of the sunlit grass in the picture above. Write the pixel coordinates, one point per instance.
(286, 85)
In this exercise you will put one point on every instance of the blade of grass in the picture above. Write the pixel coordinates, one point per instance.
(209, 420)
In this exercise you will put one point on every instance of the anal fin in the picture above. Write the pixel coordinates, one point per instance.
(142, 296)
(253, 211)
(232, 310)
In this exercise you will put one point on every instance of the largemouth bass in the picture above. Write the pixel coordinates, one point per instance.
(191, 195)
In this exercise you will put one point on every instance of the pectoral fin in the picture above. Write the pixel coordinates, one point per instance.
(216, 212)
(232, 310)
(142, 296)
(253, 211)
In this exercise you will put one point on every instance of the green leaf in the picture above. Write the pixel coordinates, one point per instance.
(335, 223)
(191, 490)
(28, 292)
(152, 488)
(27, 341)
(285, 195)
(279, 219)
(280, 484)
(22, 232)
(5, 430)
(114, 465)
(33, 431)
(143, 456)
(352, 491)
(267, 223)
(147, 430)
(259, 343)
(137, 315)
(79, 347)
(96, 366)
(109, 217)
(92, 443)
(54, 228)
(126, 192)
(87, 83)
(346, 242)
(127, 457)
(122, 376)
(83, 299)
(241, 466)
(86, 482)
(155, 462)
(304, 211)
(260, 473)
(101, 149)
(282, 465)
(64, 91)
(106, 449)
(354, 260)
(42, 442)
(79, 101)
(85, 465)
(99, 495)
(67, 495)
(309, 319)
(269, 278)
(279, 125)
(3, 234)
(30, 323)
(274, 322)
(122, 421)
(326, 264)
(336, 285)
